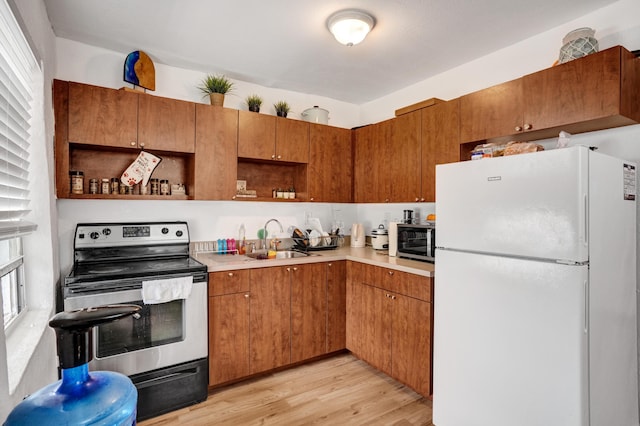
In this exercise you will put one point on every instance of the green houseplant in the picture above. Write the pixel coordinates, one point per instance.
(216, 86)
(254, 102)
(282, 108)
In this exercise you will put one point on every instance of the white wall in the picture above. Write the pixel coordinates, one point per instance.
(92, 65)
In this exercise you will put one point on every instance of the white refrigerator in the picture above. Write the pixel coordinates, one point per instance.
(535, 291)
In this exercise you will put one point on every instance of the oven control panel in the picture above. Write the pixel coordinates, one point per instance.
(130, 234)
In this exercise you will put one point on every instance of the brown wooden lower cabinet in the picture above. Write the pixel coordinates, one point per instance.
(270, 319)
(389, 330)
(228, 326)
(265, 318)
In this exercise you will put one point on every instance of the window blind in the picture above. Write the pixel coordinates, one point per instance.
(17, 66)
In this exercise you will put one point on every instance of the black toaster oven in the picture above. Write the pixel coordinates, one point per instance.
(417, 242)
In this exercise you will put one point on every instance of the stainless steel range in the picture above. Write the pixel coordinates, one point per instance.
(148, 264)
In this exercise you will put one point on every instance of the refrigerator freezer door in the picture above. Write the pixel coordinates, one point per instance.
(510, 342)
(530, 205)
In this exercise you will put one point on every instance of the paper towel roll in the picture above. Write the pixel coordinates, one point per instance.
(393, 238)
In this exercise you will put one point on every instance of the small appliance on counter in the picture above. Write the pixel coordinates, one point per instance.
(417, 242)
(380, 238)
(357, 235)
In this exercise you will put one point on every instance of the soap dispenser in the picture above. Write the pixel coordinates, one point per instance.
(81, 397)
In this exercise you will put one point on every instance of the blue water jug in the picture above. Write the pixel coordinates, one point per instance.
(81, 397)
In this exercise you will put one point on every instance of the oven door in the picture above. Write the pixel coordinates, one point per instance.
(165, 334)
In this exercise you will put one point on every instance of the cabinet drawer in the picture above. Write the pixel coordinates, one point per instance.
(228, 282)
(412, 285)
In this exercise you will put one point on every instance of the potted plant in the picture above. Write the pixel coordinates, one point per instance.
(282, 108)
(216, 86)
(254, 102)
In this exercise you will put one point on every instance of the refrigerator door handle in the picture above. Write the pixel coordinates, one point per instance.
(586, 306)
(585, 217)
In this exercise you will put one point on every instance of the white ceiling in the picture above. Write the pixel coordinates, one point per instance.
(285, 43)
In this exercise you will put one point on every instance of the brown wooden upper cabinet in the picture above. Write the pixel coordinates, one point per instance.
(166, 124)
(330, 171)
(404, 166)
(440, 142)
(595, 92)
(118, 118)
(215, 157)
(101, 116)
(371, 183)
(265, 137)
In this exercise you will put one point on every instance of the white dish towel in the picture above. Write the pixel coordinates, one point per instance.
(166, 290)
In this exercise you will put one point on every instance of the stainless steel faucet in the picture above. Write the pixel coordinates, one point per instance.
(264, 237)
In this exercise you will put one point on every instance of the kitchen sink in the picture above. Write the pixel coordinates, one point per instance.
(285, 254)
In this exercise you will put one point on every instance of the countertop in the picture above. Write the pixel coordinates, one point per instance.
(227, 262)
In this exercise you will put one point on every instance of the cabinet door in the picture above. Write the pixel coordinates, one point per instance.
(292, 140)
(308, 311)
(228, 337)
(256, 135)
(101, 116)
(579, 90)
(369, 325)
(493, 112)
(216, 162)
(440, 142)
(411, 342)
(330, 171)
(336, 305)
(371, 162)
(404, 162)
(270, 319)
(166, 124)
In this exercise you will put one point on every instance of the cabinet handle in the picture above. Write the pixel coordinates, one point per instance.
(421, 199)
(230, 274)
(311, 199)
(417, 199)
(387, 295)
(518, 129)
(288, 269)
(141, 144)
(273, 156)
(386, 200)
(133, 143)
(393, 298)
(233, 197)
(390, 272)
(295, 269)
(279, 157)
(528, 126)
(246, 296)
(330, 265)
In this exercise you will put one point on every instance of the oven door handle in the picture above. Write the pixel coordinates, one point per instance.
(167, 378)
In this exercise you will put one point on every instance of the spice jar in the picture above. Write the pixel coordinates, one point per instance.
(93, 186)
(164, 187)
(115, 185)
(76, 179)
(105, 186)
(144, 189)
(123, 189)
(155, 186)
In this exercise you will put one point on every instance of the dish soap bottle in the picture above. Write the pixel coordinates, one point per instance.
(81, 398)
(241, 240)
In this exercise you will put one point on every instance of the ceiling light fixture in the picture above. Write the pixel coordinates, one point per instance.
(350, 27)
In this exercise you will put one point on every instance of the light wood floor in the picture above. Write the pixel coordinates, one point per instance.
(341, 390)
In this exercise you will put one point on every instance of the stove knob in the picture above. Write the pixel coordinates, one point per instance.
(165, 230)
(106, 231)
(94, 235)
(178, 233)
